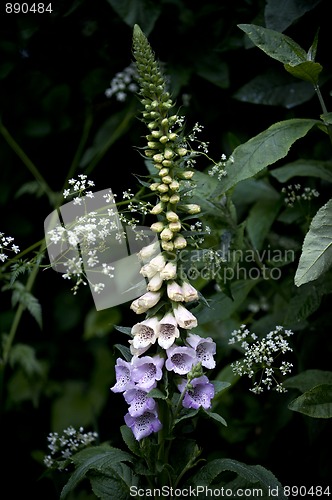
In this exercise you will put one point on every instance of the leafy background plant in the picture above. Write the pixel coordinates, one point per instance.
(57, 121)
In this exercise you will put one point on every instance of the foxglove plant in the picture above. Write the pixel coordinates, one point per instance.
(166, 301)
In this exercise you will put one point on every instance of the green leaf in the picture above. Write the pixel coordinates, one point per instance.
(98, 458)
(304, 168)
(142, 12)
(317, 402)
(308, 71)
(308, 379)
(275, 89)
(115, 484)
(22, 296)
(255, 474)
(280, 14)
(316, 256)
(263, 150)
(215, 416)
(25, 356)
(129, 439)
(275, 44)
(260, 219)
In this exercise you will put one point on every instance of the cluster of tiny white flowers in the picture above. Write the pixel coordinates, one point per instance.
(260, 354)
(62, 446)
(122, 83)
(199, 231)
(293, 194)
(219, 168)
(6, 244)
(78, 188)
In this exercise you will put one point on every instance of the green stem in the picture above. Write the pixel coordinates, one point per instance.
(26, 160)
(324, 109)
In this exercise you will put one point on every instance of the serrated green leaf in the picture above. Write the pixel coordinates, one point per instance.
(276, 45)
(115, 484)
(316, 256)
(308, 379)
(98, 458)
(308, 71)
(252, 473)
(262, 150)
(129, 439)
(317, 402)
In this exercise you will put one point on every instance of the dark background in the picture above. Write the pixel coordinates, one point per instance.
(54, 70)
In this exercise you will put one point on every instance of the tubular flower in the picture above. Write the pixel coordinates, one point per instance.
(167, 331)
(145, 302)
(185, 319)
(143, 425)
(198, 394)
(205, 349)
(147, 371)
(144, 333)
(180, 359)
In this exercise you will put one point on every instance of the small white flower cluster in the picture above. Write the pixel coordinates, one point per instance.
(79, 188)
(122, 83)
(219, 168)
(63, 446)
(293, 194)
(260, 356)
(6, 243)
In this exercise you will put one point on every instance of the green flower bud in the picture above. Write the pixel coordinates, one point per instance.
(174, 186)
(166, 234)
(157, 209)
(190, 208)
(154, 115)
(164, 198)
(168, 153)
(172, 216)
(152, 125)
(156, 134)
(180, 242)
(149, 153)
(172, 119)
(153, 145)
(157, 227)
(158, 158)
(167, 179)
(175, 198)
(167, 246)
(172, 136)
(167, 163)
(186, 174)
(163, 139)
(164, 122)
(182, 151)
(154, 186)
(175, 226)
(162, 188)
(163, 171)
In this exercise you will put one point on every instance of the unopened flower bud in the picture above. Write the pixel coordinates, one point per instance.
(156, 134)
(182, 151)
(154, 186)
(149, 153)
(167, 246)
(168, 153)
(172, 136)
(175, 198)
(145, 302)
(184, 318)
(163, 171)
(180, 242)
(147, 252)
(169, 271)
(162, 188)
(153, 145)
(164, 122)
(157, 227)
(167, 179)
(157, 209)
(158, 158)
(191, 208)
(164, 198)
(167, 163)
(187, 174)
(152, 125)
(189, 292)
(175, 226)
(174, 291)
(172, 216)
(166, 234)
(174, 186)
(163, 139)
(155, 283)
